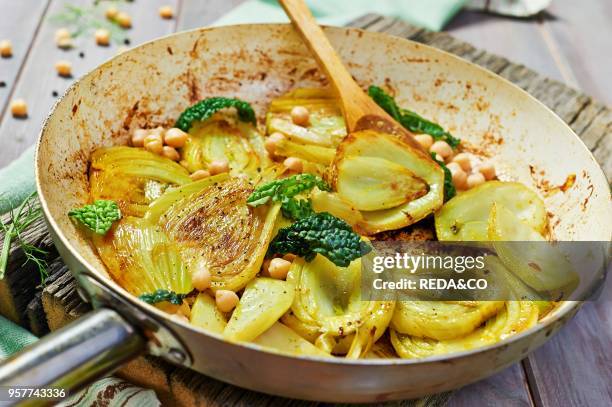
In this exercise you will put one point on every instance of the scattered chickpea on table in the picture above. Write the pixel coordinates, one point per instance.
(63, 38)
(166, 12)
(19, 108)
(6, 49)
(64, 68)
(102, 37)
(111, 12)
(124, 20)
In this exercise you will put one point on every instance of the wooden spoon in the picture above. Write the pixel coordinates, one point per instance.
(360, 111)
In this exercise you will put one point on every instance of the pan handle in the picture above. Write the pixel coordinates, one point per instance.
(79, 353)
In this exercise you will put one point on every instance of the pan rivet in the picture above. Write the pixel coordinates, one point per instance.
(176, 355)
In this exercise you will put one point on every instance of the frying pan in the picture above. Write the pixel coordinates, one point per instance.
(150, 85)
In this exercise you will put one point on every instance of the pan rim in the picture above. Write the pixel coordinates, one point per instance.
(556, 315)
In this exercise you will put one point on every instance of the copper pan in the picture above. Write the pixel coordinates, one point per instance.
(153, 83)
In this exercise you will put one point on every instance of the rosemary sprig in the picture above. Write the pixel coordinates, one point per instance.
(20, 219)
(82, 20)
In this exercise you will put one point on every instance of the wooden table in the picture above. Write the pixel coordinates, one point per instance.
(570, 43)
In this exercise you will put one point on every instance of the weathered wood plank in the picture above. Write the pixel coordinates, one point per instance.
(507, 37)
(19, 24)
(506, 388)
(582, 31)
(197, 13)
(575, 367)
(38, 80)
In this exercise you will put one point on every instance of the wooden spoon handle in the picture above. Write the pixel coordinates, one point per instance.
(355, 102)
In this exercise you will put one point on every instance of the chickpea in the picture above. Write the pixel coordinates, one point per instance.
(171, 153)
(459, 176)
(175, 137)
(199, 174)
(166, 12)
(218, 167)
(226, 300)
(153, 144)
(19, 108)
(6, 48)
(438, 157)
(300, 116)
(111, 12)
(294, 164)
(200, 277)
(279, 268)
(425, 140)
(102, 37)
(62, 34)
(272, 142)
(138, 137)
(64, 68)
(475, 179)
(463, 159)
(442, 148)
(487, 169)
(123, 19)
(65, 43)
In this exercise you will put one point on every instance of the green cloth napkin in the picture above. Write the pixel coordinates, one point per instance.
(431, 14)
(107, 391)
(17, 181)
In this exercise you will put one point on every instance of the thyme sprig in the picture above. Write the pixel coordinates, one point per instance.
(20, 219)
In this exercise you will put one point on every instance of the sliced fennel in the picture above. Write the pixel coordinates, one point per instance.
(142, 259)
(263, 302)
(217, 139)
(372, 183)
(283, 339)
(206, 315)
(542, 265)
(371, 144)
(328, 309)
(475, 206)
(311, 153)
(516, 317)
(324, 201)
(326, 127)
(159, 206)
(216, 226)
(442, 320)
(121, 174)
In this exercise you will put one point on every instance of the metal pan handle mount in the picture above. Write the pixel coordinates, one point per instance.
(88, 348)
